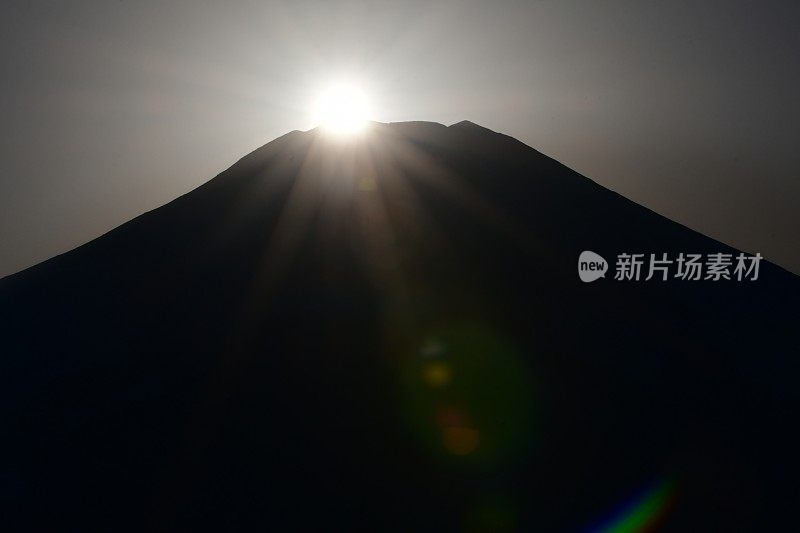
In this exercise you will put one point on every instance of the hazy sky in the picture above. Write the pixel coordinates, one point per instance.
(111, 108)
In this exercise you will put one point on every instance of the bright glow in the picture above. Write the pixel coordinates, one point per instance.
(342, 109)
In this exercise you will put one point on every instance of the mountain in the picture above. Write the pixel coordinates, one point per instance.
(388, 332)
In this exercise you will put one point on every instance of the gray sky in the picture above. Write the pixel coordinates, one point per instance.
(111, 108)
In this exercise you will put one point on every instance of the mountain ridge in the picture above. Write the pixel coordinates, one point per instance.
(252, 158)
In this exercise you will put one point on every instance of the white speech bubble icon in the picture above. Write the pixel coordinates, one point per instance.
(591, 266)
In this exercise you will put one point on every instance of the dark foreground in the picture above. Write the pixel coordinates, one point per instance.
(390, 334)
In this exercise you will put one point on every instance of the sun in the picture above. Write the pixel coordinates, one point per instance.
(342, 109)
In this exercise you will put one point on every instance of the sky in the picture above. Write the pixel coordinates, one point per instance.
(111, 108)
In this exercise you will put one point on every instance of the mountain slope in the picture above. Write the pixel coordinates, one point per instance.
(389, 333)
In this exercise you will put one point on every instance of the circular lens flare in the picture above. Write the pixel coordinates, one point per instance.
(342, 109)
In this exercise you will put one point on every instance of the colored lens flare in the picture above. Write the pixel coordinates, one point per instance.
(645, 513)
(469, 397)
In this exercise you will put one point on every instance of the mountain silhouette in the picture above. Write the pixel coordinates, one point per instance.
(388, 332)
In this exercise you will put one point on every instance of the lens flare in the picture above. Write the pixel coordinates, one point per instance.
(459, 440)
(469, 397)
(643, 514)
(436, 374)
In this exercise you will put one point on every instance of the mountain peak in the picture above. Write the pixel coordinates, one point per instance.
(467, 124)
